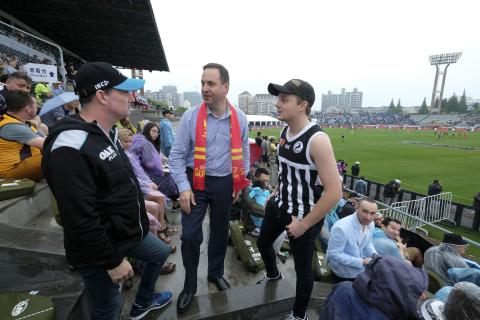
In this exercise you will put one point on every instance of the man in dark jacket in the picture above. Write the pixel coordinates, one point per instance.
(435, 188)
(356, 169)
(99, 199)
(476, 207)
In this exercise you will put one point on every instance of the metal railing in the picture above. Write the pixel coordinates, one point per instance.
(29, 48)
(412, 221)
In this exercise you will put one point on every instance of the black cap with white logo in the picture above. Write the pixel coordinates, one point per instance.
(95, 76)
(298, 87)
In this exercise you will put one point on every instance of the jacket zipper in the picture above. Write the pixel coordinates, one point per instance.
(136, 190)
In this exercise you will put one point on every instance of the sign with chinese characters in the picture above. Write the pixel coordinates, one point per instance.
(41, 72)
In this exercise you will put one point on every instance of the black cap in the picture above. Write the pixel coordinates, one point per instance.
(452, 238)
(297, 87)
(95, 76)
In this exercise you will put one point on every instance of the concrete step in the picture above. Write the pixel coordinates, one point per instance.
(22, 210)
(273, 301)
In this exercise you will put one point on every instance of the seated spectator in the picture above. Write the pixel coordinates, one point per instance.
(253, 199)
(387, 242)
(255, 204)
(126, 124)
(378, 220)
(330, 219)
(11, 66)
(20, 142)
(350, 206)
(350, 247)
(144, 148)
(387, 289)
(152, 133)
(463, 302)
(447, 255)
(155, 200)
(42, 93)
(361, 186)
(57, 88)
(17, 81)
(51, 117)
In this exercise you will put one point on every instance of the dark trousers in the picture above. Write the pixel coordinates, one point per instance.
(217, 195)
(104, 296)
(302, 248)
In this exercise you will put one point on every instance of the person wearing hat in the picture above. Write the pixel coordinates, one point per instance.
(447, 255)
(52, 117)
(166, 132)
(99, 198)
(305, 158)
(209, 162)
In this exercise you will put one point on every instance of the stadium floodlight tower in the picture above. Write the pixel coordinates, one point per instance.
(438, 60)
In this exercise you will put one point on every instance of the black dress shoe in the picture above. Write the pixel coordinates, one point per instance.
(221, 283)
(184, 300)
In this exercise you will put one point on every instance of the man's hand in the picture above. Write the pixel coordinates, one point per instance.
(122, 272)
(296, 228)
(235, 196)
(187, 198)
(366, 261)
(153, 186)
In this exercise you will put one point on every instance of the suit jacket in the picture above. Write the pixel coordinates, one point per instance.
(346, 248)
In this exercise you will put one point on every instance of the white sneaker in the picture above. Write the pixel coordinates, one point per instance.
(292, 317)
(265, 279)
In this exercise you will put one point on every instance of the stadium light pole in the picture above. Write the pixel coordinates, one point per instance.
(438, 60)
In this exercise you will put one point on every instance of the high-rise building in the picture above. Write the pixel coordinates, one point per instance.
(345, 101)
(170, 95)
(260, 104)
(265, 104)
(193, 97)
(245, 102)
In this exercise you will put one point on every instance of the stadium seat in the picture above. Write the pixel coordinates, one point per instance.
(434, 282)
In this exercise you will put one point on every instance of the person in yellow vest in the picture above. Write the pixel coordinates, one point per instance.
(20, 143)
(125, 123)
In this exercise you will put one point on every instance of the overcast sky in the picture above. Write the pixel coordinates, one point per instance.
(381, 47)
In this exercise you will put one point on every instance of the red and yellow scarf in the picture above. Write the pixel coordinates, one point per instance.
(199, 155)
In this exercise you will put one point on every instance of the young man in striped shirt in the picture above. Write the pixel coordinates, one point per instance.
(309, 186)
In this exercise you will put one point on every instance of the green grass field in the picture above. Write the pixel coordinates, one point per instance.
(385, 154)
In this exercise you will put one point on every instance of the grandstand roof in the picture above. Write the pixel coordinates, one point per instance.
(255, 118)
(121, 32)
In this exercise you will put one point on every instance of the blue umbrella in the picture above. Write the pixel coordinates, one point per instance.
(57, 101)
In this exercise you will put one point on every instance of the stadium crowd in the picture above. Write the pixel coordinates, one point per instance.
(364, 118)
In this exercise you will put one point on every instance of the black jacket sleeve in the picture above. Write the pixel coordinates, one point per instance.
(73, 181)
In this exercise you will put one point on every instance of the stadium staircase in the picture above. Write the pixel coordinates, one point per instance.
(32, 258)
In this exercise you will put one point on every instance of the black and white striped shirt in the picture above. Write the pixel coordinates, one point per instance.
(299, 186)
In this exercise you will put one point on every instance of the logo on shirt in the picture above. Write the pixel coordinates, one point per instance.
(298, 147)
(107, 154)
